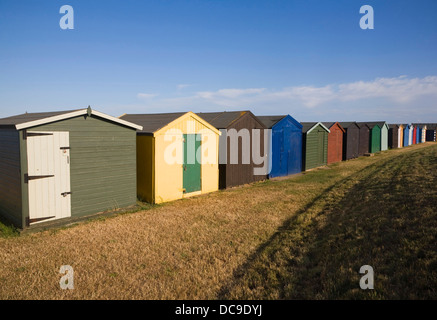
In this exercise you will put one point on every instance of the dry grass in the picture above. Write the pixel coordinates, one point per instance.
(221, 245)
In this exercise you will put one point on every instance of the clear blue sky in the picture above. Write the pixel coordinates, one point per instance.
(307, 58)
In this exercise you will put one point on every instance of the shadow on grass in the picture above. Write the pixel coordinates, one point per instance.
(384, 216)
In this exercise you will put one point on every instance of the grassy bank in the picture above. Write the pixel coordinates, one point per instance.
(302, 237)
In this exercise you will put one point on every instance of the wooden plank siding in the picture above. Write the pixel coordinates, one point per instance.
(10, 178)
(335, 143)
(239, 174)
(145, 167)
(315, 146)
(375, 139)
(393, 136)
(384, 137)
(103, 163)
(364, 141)
(351, 139)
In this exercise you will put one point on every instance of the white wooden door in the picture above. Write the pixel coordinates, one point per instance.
(48, 159)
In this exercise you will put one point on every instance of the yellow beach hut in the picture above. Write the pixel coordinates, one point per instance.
(401, 135)
(177, 156)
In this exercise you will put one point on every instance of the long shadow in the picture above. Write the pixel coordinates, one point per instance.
(365, 226)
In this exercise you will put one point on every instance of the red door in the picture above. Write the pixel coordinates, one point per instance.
(414, 135)
(335, 145)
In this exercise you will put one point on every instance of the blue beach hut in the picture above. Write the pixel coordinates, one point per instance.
(406, 135)
(285, 145)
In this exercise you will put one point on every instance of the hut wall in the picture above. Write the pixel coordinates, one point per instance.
(364, 140)
(316, 147)
(335, 144)
(10, 177)
(168, 161)
(102, 163)
(239, 174)
(351, 140)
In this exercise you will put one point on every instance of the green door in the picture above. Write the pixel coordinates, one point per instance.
(375, 144)
(320, 148)
(191, 168)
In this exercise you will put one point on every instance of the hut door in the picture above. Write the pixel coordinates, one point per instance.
(48, 177)
(339, 142)
(287, 150)
(283, 155)
(191, 168)
(321, 148)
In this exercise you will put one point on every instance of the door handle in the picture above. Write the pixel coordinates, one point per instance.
(64, 194)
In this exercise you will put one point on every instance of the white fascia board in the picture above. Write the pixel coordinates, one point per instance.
(117, 120)
(75, 114)
(318, 123)
(50, 119)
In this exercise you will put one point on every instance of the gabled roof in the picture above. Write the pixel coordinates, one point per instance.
(307, 127)
(378, 123)
(394, 126)
(28, 120)
(224, 119)
(430, 126)
(347, 124)
(372, 124)
(271, 121)
(362, 124)
(154, 122)
(330, 124)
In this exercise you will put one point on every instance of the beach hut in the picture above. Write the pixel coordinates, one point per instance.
(335, 142)
(285, 145)
(315, 145)
(401, 136)
(410, 135)
(383, 133)
(415, 133)
(374, 136)
(177, 156)
(242, 156)
(418, 134)
(407, 130)
(393, 136)
(423, 133)
(364, 141)
(351, 139)
(64, 165)
(431, 131)
(413, 141)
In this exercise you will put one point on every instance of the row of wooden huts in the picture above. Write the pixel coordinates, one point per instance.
(72, 164)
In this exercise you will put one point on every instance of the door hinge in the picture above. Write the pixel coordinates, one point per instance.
(29, 221)
(27, 178)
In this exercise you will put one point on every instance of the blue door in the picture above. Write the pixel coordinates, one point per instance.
(295, 153)
(286, 148)
(406, 135)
